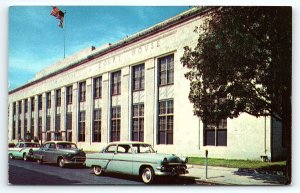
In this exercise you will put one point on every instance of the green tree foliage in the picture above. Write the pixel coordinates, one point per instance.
(242, 63)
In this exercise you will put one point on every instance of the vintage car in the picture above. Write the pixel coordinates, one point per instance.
(23, 150)
(136, 158)
(60, 152)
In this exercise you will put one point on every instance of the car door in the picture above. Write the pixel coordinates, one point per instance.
(107, 156)
(122, 160)
(51, 153)
(42, 151)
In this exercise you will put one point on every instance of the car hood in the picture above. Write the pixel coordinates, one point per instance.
(72, 151)
(159, 157)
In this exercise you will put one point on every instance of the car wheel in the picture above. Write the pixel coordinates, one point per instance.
(97, 170)
(148, 175)
(39, 161)
(24, 157)
(11, 156)
(61, 162)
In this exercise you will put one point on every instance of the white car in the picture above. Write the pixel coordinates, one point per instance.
(23, 150)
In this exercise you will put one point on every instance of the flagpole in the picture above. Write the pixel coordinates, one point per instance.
(65, 33)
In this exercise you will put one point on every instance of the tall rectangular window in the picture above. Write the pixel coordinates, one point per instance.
(14, 108)
(165, 124)
(138, 122)
(14, 130)
(97, 126)
(32, 128)
(57, 123)
(26, 105)
(97, 87)
(20, 107)
(166, 70)
(48, 100)
(25, 126)
(116, 83)
(40, 124)
(58, 98)
(69, 91)
(115, 123)
(40, 102)
(19, 128)
(32, 104)
(69, 126)
(48, 120)
(216, 135)
(138, 76)
(81, 133)
(82, 91)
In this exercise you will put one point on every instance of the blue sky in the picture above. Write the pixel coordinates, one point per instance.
(36, 41)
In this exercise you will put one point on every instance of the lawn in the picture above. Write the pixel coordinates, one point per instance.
(244, 164)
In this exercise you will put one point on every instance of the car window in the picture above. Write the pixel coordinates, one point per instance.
(143, 148)
(111, 149)
(123, 149)
(52, 146)
(21, 145)
(66, 146)
(46, 146)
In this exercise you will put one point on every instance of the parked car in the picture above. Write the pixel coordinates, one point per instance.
(23, 150)
(136, 158)
(60, 152)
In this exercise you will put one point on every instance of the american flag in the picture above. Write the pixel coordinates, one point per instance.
(58, 14)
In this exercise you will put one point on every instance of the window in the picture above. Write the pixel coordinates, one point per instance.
(48, 100)
(19, 128)
(138, 77)
(97, 87)
(82, 92)
(48, 120)
(32, 104)
(116, 83)
(32, 128)
(26, 105)
(138, 122)
(115, 124)
(58, 98)
(69, 95)
(40, 102)
(57, 123)
(69, 121)
(14, 130)
(97, 126)
(216, 136)
(25, 126)
(40, 123)
(14, 108)
(20, 107)
(81, 133)
(166, 70)
(165, 124)
(111, 149)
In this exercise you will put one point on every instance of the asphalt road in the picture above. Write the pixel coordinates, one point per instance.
(30, 173)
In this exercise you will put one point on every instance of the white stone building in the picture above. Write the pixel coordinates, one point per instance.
(134, 89)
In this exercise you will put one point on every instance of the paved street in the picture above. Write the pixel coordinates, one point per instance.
(30, 173)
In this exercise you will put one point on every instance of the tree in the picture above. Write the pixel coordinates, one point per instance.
(242, 64)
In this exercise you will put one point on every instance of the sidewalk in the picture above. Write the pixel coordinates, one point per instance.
(232, 176)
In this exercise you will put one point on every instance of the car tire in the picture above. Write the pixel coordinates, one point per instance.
(11, 156)
(148, 175)
(97, 170)
(61, 162)
(39, 161)
(24, 157)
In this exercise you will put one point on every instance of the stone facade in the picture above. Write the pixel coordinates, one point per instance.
(246, 137)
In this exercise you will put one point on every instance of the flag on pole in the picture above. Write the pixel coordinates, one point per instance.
(58, 14)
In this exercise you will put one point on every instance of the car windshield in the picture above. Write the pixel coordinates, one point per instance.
(32, 145)
(66, 146)
(142, 148)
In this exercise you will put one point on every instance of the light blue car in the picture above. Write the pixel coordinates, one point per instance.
(23, 150)
(136, 158)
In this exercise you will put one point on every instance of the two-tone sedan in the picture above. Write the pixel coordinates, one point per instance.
(60, 152)
(23, 150)
(136, 158)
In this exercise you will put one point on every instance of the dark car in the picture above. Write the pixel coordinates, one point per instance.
(60, 152)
